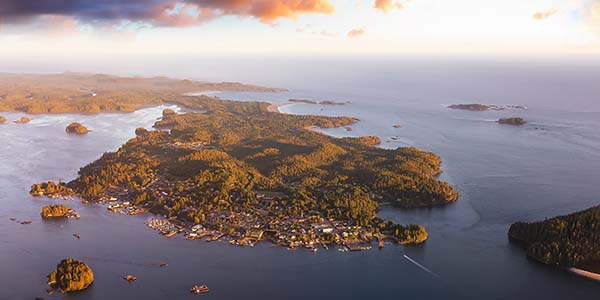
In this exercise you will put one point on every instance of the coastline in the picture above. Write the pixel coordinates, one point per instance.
(274, 106)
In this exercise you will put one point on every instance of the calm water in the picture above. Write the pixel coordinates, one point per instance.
(550, 166)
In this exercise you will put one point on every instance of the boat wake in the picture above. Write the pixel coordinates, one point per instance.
(420, 266)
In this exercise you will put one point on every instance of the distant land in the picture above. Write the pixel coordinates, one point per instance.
(94, 93)
(571, 241)
(484, 107)
(321, 102)
(512, 121)
(241, 172)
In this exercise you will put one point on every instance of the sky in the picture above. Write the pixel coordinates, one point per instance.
(90, 28)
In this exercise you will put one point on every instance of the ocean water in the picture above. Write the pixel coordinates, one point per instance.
(505, 174)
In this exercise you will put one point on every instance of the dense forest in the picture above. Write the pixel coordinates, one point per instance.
(563, 241)
(227, 159)
(235, 166)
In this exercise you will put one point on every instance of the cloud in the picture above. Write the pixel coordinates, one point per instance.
(268, 10)
(387, 5)
(544, 14)
(590, 14)
(179, 13)
(356, 32)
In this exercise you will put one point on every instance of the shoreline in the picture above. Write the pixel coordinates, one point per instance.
(274, 106)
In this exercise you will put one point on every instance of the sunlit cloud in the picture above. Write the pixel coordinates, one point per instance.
(590, 13)
(159, 13)
(544, 14)
(268, 10)
(387, 5)
(356, 32)
(183, 15)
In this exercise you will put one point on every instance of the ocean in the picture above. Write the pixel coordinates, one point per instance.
(505, 174)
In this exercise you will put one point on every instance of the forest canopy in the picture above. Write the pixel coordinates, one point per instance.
(563, 241)
(71, 275)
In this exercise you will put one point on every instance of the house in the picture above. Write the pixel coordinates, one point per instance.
(327, 230)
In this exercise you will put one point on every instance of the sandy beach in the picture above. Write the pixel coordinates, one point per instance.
(586, 274)
(274, 106)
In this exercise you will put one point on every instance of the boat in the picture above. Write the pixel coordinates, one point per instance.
(197, 289)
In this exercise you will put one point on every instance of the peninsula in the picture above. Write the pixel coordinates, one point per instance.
(240, 172)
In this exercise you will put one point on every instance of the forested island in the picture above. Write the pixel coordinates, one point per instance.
(472, 107)
(71, 275)
(58, 211)
(565, 241)
(76, 128)
(323, 102)
(484, 107)
(248, 174)
(22, 120)
(512, 121)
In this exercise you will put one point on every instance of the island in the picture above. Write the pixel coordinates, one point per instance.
(58, 211)
(2, 120)
(23, 120)
(472, 107)
(71, 275)
(241, 173)
(484, 107)
(324, 102)
(571, 242)
(305, 101)
(512, 121)
(329, 102)
(76, 128)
